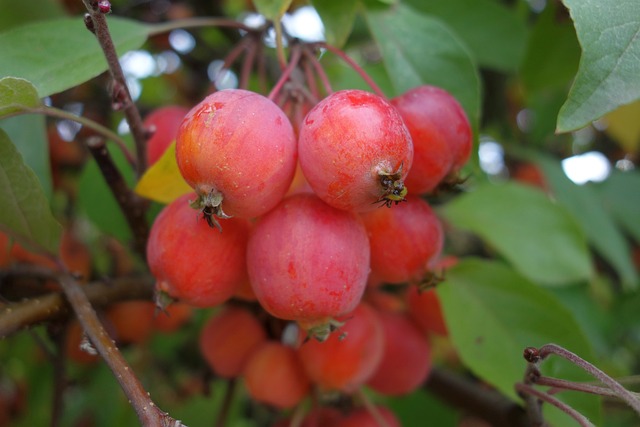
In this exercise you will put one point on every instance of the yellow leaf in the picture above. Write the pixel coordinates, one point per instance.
(623, 125)
(162, 182)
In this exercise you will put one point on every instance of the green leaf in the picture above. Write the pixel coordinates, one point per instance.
(609, 33)
(552, 55)
(539, 237)
(29, 135)
(59, 54)
(494, 33)
(414, 408)
(25, 212)
(493, 313)
(620, 195)
(16, 13)
(418, 49)
(587, 209)
(16, 95)
(272, 9)
(337, 17)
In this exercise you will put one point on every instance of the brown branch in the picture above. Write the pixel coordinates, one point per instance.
(148, 413)
(53, 306)
(96, 22)
(475, 399)
(132, 206)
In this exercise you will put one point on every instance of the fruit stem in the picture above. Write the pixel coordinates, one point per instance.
(293, 62)
(317, 66)
(198, 22)
(227, 400)
(232, 56)
(526, 389)
(247, 65)
(282, 58)
(357, 68)
(559, 385)
(120, 91)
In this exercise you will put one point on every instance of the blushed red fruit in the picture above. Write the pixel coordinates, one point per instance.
(355, 151)
(238, 151)
(406, 360)
(172, 317)
(191, 262)
(404, 240)
(348, 358)
(228, 340)
(362, 417)
(425, 310)
(274, 375)
(308, 262)
(163, 123)
(132, 321)
(435, 119)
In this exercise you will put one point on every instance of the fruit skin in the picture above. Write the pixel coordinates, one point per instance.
(348, 358)
(164, 123)
(274, 375)
(406, 359)
(307, 261)
(348, 143)
(132, 321)
(434, 117)
(229, 339)
(237, 145)
(426, 311)
(361, 417)
(404, 240)
(193, 263)
(172, 317)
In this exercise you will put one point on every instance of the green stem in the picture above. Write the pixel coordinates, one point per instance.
(282, 58)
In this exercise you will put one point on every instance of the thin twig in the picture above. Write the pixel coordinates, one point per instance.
(530, 390)
(475, 399)
(559, 385)
(372, 409)
(198, 23)
(120, 91)
(615, 386)
(148, 414)
(282, 58)
(132, 206)
(247, 64)
(33, 311)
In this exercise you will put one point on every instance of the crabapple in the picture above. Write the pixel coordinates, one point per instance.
(348, 358)
(308, 262)
(406, 359)
(238, 151)
(163, 123)
(425, 310)
(404, 240)
(362, 417)
(132, 321)
(435, 119)
(229, 338)
(172, 317)
(355, 151)
(274, 375)
(190, 262)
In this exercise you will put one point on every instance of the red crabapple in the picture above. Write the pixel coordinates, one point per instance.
(308, 262)
(425, 310)
(274, 375)
(172, 317)
(355, 151)
(229, 338)
(434, 116)
(132, 320)
(348, 358)
(190, 262)
(163, 123)
(404, 240)
(238, 151)
(406, 360)
(362, 417)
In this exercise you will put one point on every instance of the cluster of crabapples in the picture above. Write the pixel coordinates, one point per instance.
(312, 251)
